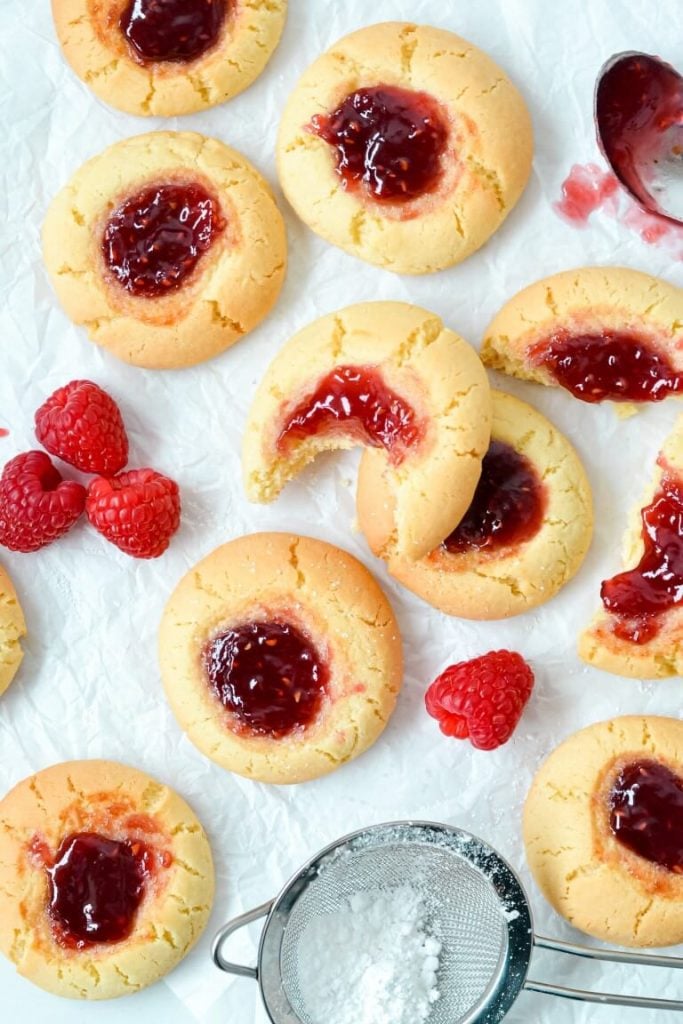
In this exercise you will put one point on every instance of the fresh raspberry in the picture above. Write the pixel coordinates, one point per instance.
(139, 511)
(36, 505)
(483, 698)
(82, 425)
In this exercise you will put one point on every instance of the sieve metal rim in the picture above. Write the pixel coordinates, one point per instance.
(515, 957)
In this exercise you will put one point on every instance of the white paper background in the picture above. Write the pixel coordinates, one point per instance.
(89, 685)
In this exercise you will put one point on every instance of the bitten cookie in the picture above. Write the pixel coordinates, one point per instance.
(167, 57)
(168, 247)
(639, 630)
(12, 629)
(106, 876)
(603, 830)
(599, 332)
(524, 535)
(386, 375)
(281, 657)
(406, 146)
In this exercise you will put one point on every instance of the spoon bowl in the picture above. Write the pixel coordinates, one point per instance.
(639, 123)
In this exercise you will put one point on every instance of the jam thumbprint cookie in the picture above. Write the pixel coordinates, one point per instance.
(524, 535)
(601, 333)
(639, 630)
(168, 247)
(281, 657)
(389, 376)
(406, 146)
(603, 830)
(106, 876)
(166, 57)
(12, 629)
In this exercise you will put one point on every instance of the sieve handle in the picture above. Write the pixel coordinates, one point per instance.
(229, 929)
(619, 956)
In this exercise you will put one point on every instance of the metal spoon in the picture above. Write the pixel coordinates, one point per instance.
(639, 122)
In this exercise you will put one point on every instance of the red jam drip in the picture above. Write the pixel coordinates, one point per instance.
(355, 401)
(174, 30)
(269, 675)
(95, 888)
(390, 139)
(638, 107)
(154, 240)
(639, 597)
(585, 190)
(646, 813)
(508, 504)
(611, 365)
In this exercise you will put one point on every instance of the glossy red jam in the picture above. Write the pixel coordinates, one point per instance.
(391, 140)
(154, 240)
(355, 401)
(175, 30)
(269, 675)
(611, 365)
(95, 888)
(640, 596)
(639, 107)
(646, 813)
(508, 504)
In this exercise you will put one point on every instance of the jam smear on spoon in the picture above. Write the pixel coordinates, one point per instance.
(639, 597)
(269, 675)
(96, 885)
(389, 139)
(155, 239)
(172, 30)
(354, 400)
(613, 365)
(508, 505)
(646, 813)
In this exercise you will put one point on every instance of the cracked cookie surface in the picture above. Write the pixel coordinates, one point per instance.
(98, 51)
(661, 655)
(484, 167)
(122, 804)
(330, 598)
(12, 629)
(597, 883)
(510, 579)
(434, 372)
(234, 284)
(594, 303)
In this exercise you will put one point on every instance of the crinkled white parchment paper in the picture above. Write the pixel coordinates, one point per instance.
(89, 685)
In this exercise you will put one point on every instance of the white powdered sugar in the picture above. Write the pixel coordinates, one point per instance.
(371, 962)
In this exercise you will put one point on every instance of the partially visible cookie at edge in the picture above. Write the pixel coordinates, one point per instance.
(162, 62)
(606, 882)
(602, 333)
(12, 629)
(636, 645)
(72, 829)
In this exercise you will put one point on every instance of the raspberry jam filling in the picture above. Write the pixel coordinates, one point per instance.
(154, 240)
(355, 401)
(96, 885)
(391, 140)
(646, 813)
(639, 597)
(269, 675)
(174, 30)
(611, 365)
(508, 504)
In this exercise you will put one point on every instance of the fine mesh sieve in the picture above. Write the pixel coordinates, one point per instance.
(474, 905)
